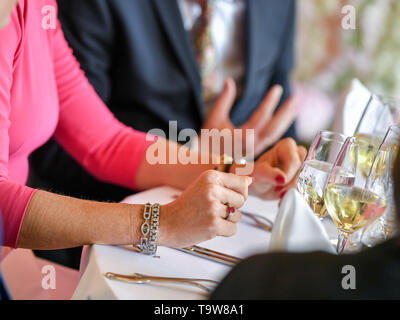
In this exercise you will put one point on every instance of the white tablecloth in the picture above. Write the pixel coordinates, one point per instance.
(97, 259)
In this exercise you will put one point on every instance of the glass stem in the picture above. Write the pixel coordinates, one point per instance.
(342, 240)
(384, 230)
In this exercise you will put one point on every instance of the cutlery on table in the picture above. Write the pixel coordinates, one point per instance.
(211, 255)
(261, 221)
(146, 279)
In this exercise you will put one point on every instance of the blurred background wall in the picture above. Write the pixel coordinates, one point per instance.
(328, 56)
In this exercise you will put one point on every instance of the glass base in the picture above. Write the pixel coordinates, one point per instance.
(378, 232)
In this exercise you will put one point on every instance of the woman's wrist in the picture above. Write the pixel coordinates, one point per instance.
(163, 233)
(135, 222)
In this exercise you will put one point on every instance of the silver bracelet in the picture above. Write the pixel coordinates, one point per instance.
(144, 241)
(155, 222)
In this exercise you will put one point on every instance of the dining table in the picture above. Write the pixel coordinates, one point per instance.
(99, 260)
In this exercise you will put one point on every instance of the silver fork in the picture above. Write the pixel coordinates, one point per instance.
(140, 275)
(261, 221)
(211, 255)
(146, 279)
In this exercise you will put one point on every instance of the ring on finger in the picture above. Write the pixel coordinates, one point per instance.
(230, 211)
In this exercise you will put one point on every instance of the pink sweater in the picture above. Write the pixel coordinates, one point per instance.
(43, 93)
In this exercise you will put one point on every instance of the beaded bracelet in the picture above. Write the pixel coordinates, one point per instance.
(155, 222)
(148, 241)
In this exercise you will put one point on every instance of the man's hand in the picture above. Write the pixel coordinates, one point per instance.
(277, 170)
(268, 127)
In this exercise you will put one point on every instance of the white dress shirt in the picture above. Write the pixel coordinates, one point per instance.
(227, 32)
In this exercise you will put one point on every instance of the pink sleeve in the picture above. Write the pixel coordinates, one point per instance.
(14, 197)
(87, 129)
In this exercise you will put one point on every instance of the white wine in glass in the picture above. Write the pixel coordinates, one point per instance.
(380, 181)
(378, 116)
(312, 182)
(349, 206)
(317, 167)
(368, 147)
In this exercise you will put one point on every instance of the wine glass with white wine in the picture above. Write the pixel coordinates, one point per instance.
(381, 181)
(349, 206)
(378, 116)
(316, 168)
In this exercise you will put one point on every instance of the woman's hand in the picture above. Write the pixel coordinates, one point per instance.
(199, 214)
(277, 170)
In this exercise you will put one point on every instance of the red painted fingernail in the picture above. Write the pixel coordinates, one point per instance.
(280, 180)
(278, 188)
(282, 194)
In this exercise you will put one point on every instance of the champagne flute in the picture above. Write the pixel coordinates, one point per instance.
(316, 168)
(377, 117)
(381, 181)
(379, 114)
(349, 206)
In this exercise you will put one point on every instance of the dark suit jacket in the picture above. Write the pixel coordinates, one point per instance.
(141, 61)
(315, 275)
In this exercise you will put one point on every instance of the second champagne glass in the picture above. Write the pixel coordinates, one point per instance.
(378, 116)
(381, 181)
(349, 206)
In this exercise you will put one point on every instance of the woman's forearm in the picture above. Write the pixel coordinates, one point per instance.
(53, 222)
(199, 214)
(176, 175)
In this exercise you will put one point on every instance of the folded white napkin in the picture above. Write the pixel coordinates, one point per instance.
(350, 108)
(297, 228)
